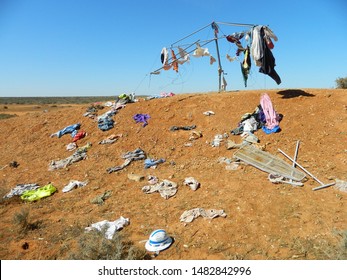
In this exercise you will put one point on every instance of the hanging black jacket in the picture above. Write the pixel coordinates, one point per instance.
(268, 61)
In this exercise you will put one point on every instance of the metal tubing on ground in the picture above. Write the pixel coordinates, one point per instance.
(324, 186)
(320, 182)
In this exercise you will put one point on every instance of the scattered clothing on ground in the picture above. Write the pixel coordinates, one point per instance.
(124, 98)
(110, 113)
(189, 215)
(218, 139)
(263, 117)
(152, 179)
(91, 111)
(173, 128)
(152, 162)
(100, 199)
(208, 113)
(71, 146)
(137, 154)
(111, 139)
(105, 123)
(271, 117)
(109, 227)
(165, 188)
(79, 135)
(230, 163)
(141, 118)
(71, 129)
(84, 148)
(37, 194)
(78, 155)
(249, 137)
(166, 94)
(14, 164)
(74, 184)
(19, 189)
(192, 183)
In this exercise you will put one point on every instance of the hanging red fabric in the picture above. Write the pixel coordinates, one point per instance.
(174, 61)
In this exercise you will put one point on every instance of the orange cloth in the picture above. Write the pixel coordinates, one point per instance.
(174, 61)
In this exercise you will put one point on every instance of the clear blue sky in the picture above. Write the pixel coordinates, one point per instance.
(109, 47)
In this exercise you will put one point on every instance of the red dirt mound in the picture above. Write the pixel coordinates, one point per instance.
(264, 220)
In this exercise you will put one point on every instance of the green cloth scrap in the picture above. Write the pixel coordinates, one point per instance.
(33, 195)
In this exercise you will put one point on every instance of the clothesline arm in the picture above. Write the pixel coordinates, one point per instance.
(237, 24)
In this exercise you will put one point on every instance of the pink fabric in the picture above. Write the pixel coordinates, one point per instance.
(164, 94)
(269, 112)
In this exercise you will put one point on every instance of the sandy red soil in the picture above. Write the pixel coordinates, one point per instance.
(264, 220)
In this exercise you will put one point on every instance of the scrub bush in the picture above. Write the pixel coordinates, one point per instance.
(94, 246)
(21, 219)
(341, 83)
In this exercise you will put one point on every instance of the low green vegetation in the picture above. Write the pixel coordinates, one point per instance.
(21, 219)
(55, 100)
(341, 83)
(94, 246)
(7, 116)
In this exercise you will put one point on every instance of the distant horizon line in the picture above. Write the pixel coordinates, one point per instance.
(114, 95)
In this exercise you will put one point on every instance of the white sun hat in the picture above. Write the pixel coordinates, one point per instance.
(158, 241)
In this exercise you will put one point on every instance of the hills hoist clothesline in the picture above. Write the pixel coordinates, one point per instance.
(258, 47)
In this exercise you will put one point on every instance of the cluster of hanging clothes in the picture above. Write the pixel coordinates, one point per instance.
(182, 57)
(259, 47)
(259, 43)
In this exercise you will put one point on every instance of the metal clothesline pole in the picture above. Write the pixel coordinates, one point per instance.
(236, 24)
(220, 70)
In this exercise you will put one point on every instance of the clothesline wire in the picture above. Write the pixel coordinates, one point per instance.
(205, 42)
(208, 25)
(140, 83)
(191, 34)
(199, 41)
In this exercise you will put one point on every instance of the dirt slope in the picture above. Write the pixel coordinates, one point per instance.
(264, 220)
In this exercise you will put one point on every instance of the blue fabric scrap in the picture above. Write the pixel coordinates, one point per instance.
(151, 162)
(105, 123)
(273, 130)
(69, 129)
